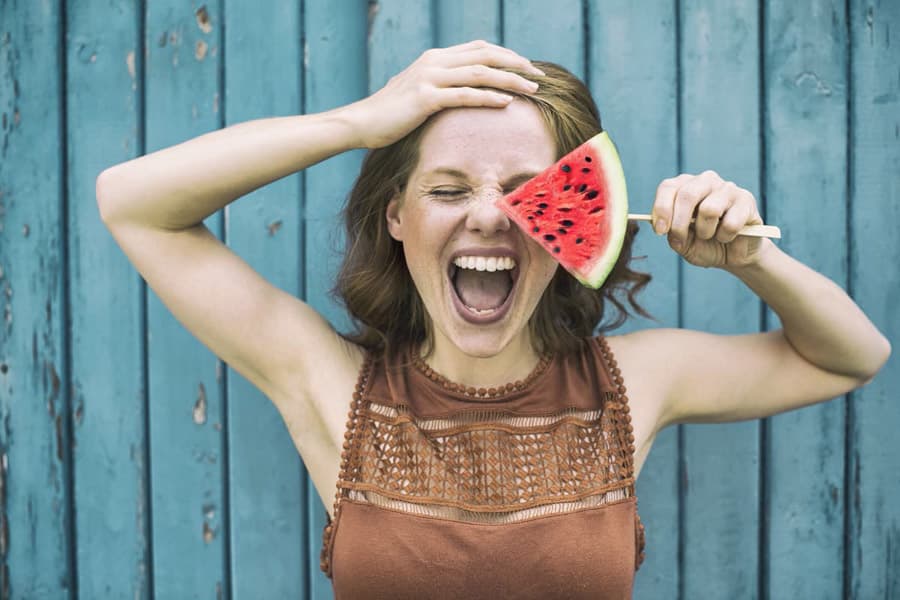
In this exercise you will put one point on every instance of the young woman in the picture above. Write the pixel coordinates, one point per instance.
(491, 448)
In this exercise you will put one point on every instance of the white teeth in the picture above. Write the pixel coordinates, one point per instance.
(482, 263)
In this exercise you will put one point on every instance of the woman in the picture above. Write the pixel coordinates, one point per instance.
(491, 449)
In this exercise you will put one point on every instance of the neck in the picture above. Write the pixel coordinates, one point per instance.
(515, 362)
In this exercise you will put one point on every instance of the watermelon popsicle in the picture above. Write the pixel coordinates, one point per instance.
(577, 209)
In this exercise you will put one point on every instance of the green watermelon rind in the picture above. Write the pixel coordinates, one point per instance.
(614, 177)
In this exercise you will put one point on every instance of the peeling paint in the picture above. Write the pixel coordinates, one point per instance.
(59, 438)
(274, 226)
(129, 62)
(215, 102)
(25, 230)
(808, 77)
(209, 534)
(200, 50)
(200, 406)
(373, 11)
(161, 42)
(203, 19)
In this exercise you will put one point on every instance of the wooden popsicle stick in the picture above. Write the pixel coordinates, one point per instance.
(767, 231)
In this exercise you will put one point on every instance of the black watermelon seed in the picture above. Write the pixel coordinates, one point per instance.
(567, 187)
(530, 217)
(566, 223)
(587, 159)
(556, 249)
(542, 205)
(564, 209)
(540, 194)
(582, 187)
(549, 237)
(536, 229)
(579, 240)
(566, 168)
(562, 231)
(595, 210)
(539, 213)
(516, 202)
(592, 194)
(585, 170)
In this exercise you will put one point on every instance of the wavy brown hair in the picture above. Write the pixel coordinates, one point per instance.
(377, 289)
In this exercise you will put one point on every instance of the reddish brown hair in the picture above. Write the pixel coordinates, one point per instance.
(375, 285)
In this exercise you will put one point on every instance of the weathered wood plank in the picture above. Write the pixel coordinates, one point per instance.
(263, 76)
(335, 75)
(874, 488)
(805, 187)
(110, 463)
(529, 30)
(635, 86)
(399, 31)
(466, 20)
(720, 131)
(187, 434)
(35, 454)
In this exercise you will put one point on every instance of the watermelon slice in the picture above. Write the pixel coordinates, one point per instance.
(577, 209)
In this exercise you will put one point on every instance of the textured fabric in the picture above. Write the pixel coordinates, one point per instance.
(529, 494)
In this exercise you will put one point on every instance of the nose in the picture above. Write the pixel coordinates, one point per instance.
(484, 216)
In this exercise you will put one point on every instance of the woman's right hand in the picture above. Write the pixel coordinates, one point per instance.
(440, 78)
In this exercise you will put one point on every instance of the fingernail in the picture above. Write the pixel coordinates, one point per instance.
(660, 226)
(533, 85)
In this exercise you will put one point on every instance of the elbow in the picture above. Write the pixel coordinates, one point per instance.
(102, 193)
(880, 356)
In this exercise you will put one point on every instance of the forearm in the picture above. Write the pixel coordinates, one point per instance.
(820, 320)
(179, 186)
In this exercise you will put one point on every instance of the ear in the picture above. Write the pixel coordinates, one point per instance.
(394, 222)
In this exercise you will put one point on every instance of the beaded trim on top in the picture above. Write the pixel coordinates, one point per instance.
(619, 382)
(482, 393)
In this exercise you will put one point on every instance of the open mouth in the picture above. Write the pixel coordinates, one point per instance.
(482, 287)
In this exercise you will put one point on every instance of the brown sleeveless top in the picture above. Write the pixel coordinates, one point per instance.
(524, 491)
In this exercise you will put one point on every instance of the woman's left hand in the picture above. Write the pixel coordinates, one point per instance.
(720, 208)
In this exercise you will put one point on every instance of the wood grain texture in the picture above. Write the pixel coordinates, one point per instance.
(805, 60)
(266, 480)
(335, 72)
(186, 385)
(637, 94)
(874, 486)
(35, 453)
(528, 30)
(720, 131)
(462, 21)
(108, 389)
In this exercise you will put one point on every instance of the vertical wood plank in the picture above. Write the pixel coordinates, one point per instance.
(466, 20)
(110, 463)
(874, 537)
(399, 31)
(720, 131)
(528, 29)
(805, 187)
(185, 379)
(636, 88)
(263, 75)
(35, 455)
(335, 75)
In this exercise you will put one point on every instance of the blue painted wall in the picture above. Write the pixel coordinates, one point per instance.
(134, 464)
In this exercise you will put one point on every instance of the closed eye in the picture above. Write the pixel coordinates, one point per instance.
(447, 192)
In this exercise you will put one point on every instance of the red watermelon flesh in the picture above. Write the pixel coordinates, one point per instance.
(577, 209)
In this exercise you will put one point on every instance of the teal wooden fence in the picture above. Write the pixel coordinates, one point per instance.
(134, 464)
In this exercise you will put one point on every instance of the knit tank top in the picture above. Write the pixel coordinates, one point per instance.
(525, 491)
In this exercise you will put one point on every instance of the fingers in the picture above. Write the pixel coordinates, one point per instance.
(483, 76)
(483, 53)
(472, 97)
(718, 208)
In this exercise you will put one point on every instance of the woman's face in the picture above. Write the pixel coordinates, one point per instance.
(479, 277)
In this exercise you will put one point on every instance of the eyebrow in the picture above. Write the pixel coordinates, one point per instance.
(515, 180)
